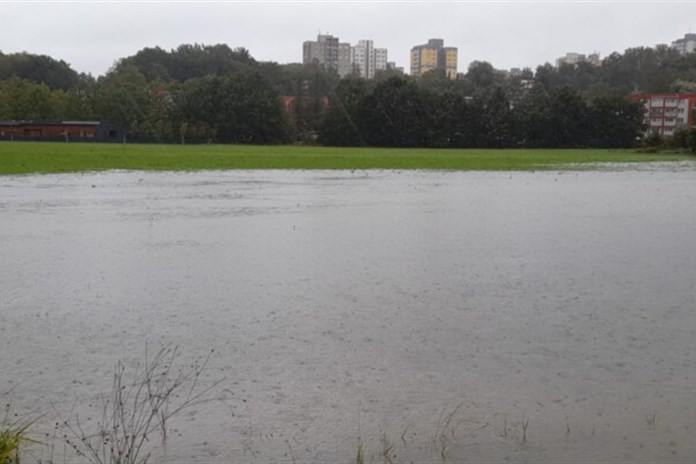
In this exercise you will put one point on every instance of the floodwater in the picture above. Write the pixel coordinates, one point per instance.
(422, 316)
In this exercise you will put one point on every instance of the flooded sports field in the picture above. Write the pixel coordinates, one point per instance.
(405, 316)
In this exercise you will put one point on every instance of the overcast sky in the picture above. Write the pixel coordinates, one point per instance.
(92, 35)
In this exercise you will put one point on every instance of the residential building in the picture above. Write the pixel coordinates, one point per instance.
(576, 58)
(666, 113)
(328, 52)
(685, 45)
(434, 55)
(363, 58)
(570, 58)
(593, 59)
(381, 59)
(344, 59)
(447, 60)
(367, 59)
(391, 66)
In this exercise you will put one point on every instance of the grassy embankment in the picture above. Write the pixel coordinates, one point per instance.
(43, 157)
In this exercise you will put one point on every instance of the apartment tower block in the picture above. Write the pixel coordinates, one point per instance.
(327, 51)
(432, 56)
(367, 59)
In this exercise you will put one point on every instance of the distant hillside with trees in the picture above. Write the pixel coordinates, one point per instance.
(57, 75)
(216, 93)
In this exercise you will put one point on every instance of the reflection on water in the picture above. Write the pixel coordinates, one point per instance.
(430, 313)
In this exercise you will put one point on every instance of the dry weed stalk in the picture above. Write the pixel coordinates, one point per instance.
(139, 405)
(445, 430)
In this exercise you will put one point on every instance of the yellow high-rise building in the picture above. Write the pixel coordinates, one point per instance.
(434, 55)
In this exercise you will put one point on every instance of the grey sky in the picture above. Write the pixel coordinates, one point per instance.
(91, 35)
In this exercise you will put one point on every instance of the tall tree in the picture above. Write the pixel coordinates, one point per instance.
(533, 119)
(570, 125)
(189, 61)
(394, 115)
(341, 123)
(22, 99)
(481, 74)
(122, 97)
(235, 109)
(616, 122)
(40, 69)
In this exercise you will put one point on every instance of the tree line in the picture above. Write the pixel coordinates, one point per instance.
(215, 93)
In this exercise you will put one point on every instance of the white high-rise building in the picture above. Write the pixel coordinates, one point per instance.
(367, 60)
(381, 59)
(360, 57)
(685, 45)
(345, 66)
(570, 58)
(577, 58)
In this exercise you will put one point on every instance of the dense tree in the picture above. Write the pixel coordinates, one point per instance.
(434, 80)
(532, 119)
(547, 77)
(311, 85)
(397, 112)
(152, 63)
(684, 86)
(555, 118)
(638, 69)
(22, 99)
(617, 122)
(340, 125)
(40, 69)
(570, 125)
(394, 115)
(122, 97)
(691, 139)
(214, 92)
(78, 101)
(188, 61)
(481, 74)
(236, 109)
(641, 69)
(495, 120)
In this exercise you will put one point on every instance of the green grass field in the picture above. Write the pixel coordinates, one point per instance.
(45, 157)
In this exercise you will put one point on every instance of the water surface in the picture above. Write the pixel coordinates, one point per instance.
(430, 313)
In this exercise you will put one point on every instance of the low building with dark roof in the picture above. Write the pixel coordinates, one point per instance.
(59, 130)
